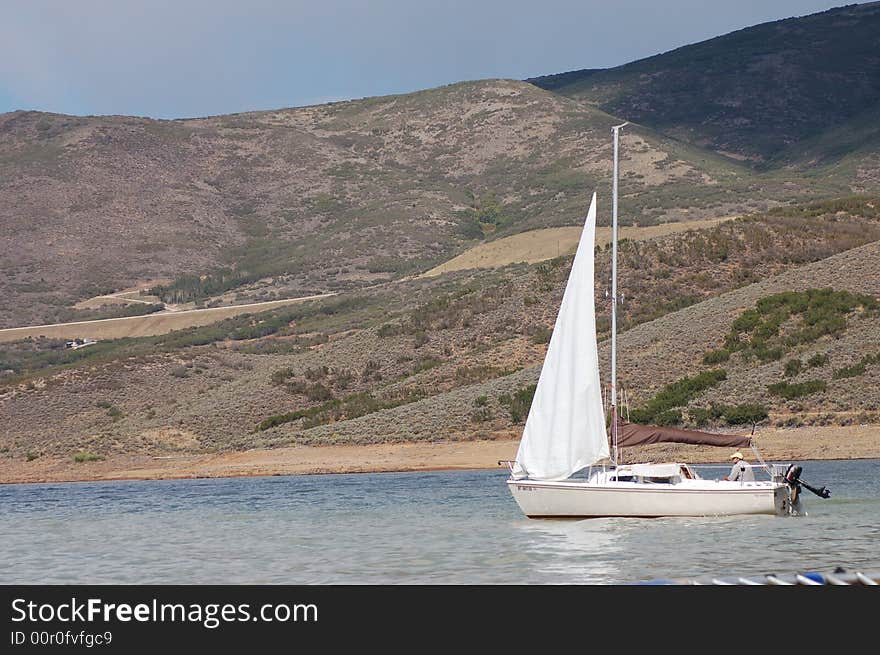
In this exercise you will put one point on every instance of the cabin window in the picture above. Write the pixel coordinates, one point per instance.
(661, 480)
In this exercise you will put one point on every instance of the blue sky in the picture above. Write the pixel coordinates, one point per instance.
(178, 58)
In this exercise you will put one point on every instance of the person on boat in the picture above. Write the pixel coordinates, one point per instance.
(741, 471)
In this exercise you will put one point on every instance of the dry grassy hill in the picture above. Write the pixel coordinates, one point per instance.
(276, 204)
(540, 245)
(452, 356)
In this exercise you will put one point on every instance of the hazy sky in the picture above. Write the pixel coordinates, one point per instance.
(175, 58)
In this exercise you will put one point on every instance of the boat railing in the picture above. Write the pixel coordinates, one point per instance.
(774, 471)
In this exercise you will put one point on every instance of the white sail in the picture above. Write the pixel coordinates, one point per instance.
(565, 430)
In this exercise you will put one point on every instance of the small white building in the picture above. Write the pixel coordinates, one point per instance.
(80, 343)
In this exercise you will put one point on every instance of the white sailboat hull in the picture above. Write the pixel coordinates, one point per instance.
(588, 499)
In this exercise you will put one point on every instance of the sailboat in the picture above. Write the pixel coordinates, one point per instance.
(565, 467)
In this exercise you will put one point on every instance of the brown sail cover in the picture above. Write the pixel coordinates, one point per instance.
(630, 434)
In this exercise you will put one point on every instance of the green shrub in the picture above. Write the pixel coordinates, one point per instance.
(194, 287)
(733, 343)
(746, 322)
(744, 414)
(372, 371)
(822, 312)
(387, 265)
(281, 419)
(676, 394)
(469, 228)
(849, 371)
(519, 402)
(425, 363)
(390, 330)
(769, 328)
(716, 411)
(542, 335)
(481, 415)
(667, 417)
(337, 409)
(318, 392)
(280, 376)
(317, 373)
(791, 391)
(716, 356)
(765, 354)
(792, 367)
(479, 373)
(817, 360)
(87, 457)
(699, 416)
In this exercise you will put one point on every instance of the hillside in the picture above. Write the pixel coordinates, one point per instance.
(452, 356)
(304, 200)
(657, 353)
(277, 204)
(756, 93)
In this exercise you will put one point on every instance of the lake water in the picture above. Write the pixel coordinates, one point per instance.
(412, 528)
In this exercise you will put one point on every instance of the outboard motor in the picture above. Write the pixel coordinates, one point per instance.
(793, 479)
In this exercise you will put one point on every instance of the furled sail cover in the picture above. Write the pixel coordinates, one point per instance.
(565, 430)
(630, 434)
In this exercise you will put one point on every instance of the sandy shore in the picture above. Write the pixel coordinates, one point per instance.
(781, 445)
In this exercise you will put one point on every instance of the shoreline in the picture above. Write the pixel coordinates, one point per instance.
(294, 460)
(774, 444)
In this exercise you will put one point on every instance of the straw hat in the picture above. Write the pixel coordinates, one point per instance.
(737, 455)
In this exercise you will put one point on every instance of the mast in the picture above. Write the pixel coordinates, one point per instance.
(616, 130)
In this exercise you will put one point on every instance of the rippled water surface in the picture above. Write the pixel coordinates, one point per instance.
(390, 528)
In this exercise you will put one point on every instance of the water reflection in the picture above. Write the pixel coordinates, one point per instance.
(577, 552)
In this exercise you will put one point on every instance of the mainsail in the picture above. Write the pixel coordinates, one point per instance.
(631, 434)
(565, 430)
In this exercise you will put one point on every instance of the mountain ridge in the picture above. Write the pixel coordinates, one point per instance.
(751, 92)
